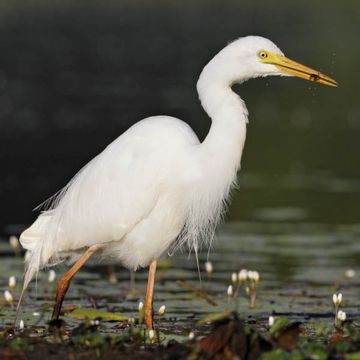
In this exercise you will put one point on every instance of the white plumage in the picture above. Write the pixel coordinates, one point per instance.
(156, 183)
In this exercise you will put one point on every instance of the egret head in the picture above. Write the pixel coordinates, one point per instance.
(254, 56)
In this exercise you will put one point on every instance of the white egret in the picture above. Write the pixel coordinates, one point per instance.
(156, 185)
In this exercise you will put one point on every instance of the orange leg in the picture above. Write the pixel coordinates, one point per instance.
(150, 296)
(64, 282)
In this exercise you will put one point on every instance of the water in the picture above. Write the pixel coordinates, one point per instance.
(300, 265)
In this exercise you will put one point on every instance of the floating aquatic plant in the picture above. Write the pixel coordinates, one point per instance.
(51, 276)
(8, 297)
(12, 282)
(337, 299)
(161, 310)
(271, 321)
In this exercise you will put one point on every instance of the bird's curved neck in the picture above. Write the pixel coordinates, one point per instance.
(226, 138)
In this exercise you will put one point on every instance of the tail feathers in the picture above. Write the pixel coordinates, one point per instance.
(31, 270)
(32, 239)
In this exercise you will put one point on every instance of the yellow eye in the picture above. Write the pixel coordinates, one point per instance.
(262, 54)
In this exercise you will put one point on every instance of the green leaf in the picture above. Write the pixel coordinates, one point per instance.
(316, 351)
(21, 344)
(213, 318)
(92, 314)
(354, 356)
(165, 264)
(277, 354)
(280, 324)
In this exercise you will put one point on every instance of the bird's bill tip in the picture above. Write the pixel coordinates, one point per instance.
(293, 68)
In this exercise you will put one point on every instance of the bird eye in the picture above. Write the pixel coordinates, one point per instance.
(262, 54)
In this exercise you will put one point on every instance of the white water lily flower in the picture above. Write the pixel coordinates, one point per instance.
(350, 273)
(8, 296)
(14, 242)
(230, 291)
(12, 282)
(51, 276)
(341, 315)
(271, 321)
(209, 267)
(21, 324)
(161, 310)
(151, 334)
(191, 335)
(141, 306)
(253, 276)
(250, 275)
(337, 299)
(234, 278)
(256, 276)
(243, 275)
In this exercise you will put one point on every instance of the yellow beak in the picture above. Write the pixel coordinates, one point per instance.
(293, 68)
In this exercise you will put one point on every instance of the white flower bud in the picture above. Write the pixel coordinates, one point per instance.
(21, 325)
(350, 273)
(234, 278)
(256, 276)
(141, 306)
(253, 276)
(8, 296)
(161, 310)
(243, 275)
(36, 313)
(51, 276)
(337, 299)
(271, 321)
(209, 267)
(191, 335)
(14, 242)
(12, 282)
(230, 291)
(151, 334)
(341, 315)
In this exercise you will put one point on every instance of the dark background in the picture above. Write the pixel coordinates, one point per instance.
(75, 74)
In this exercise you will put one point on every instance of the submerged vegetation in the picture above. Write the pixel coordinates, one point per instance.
(301, 302)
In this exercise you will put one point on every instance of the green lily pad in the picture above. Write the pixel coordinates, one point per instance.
(92, 314)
